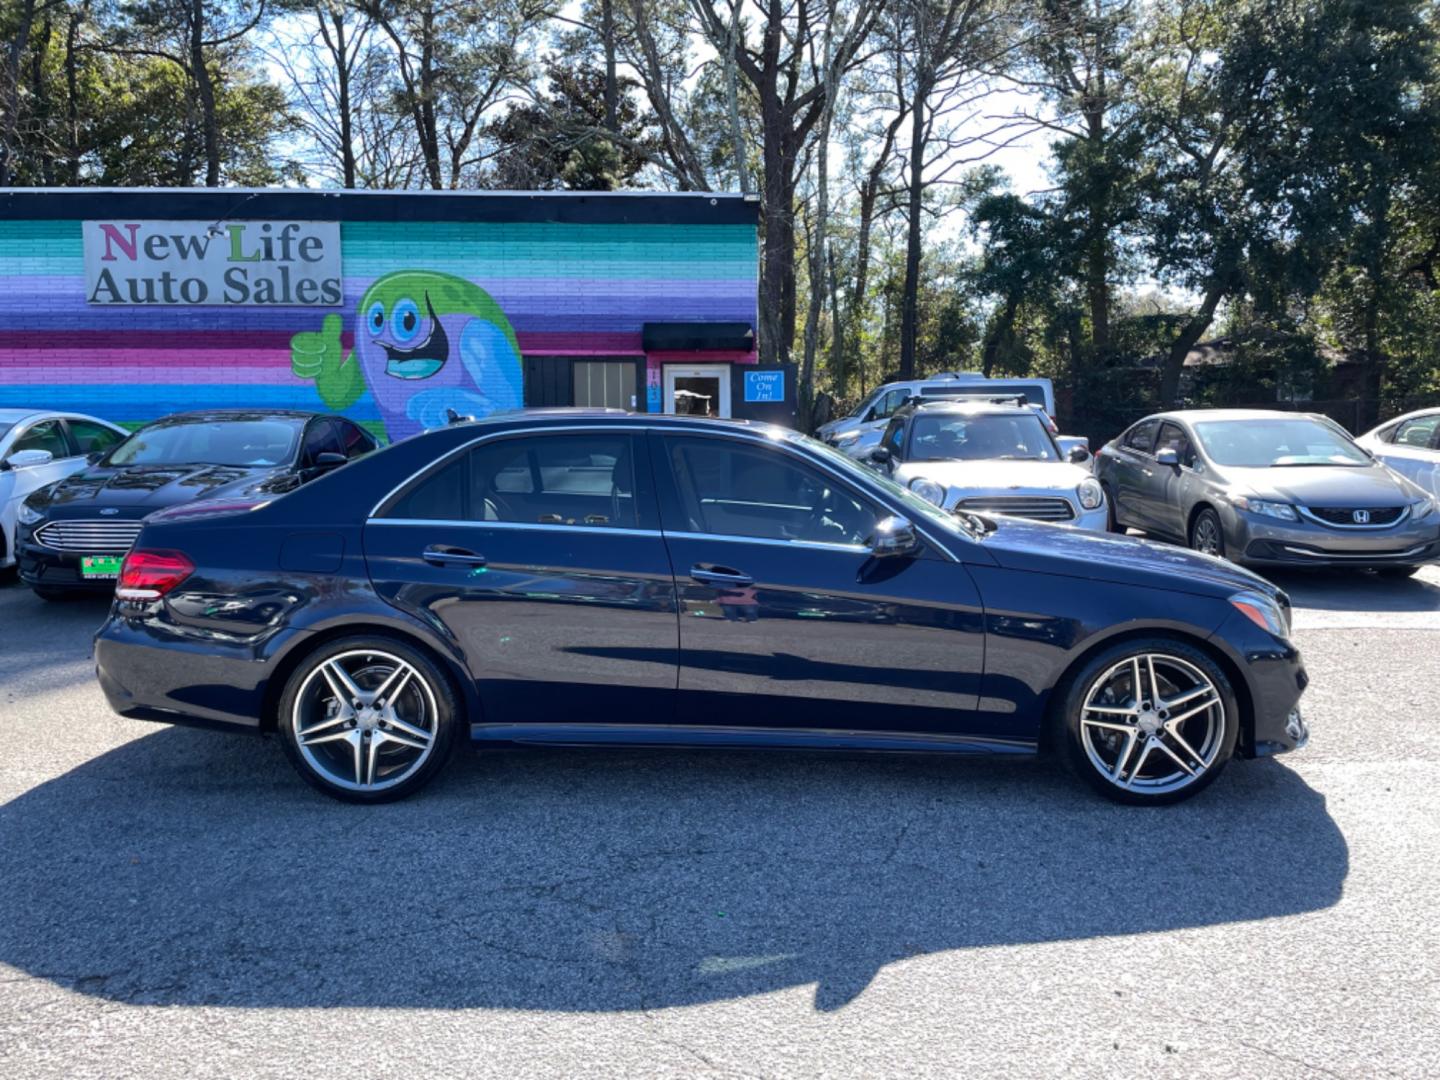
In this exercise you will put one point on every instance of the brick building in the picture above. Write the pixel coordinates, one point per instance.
(391, 307)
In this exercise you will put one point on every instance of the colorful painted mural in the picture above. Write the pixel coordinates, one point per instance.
(435, 314)
(426, 345)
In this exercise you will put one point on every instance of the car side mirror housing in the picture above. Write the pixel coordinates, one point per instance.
(1169, 457)
(329, 459)
(893, 536)
(1077, 455)
(880, 455)
(28, 459)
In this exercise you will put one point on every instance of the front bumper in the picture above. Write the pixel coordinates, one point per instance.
(1275, 678)
(48, 568)
(1266, 542)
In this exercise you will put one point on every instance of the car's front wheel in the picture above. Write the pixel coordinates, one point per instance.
(1207, 535)
(1149, 722)
(368, 719)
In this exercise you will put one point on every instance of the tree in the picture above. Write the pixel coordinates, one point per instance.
(559, 140)
(787, 68)
(455, 61)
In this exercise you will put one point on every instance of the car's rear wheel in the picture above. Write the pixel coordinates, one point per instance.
(368, 719)
(1207, 535)
(1149, 722)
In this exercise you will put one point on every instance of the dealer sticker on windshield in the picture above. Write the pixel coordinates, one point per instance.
(100, 566)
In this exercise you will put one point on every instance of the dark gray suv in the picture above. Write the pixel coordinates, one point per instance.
(1267, 488)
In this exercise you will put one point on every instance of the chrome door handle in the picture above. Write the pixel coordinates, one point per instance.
(440, 555)
(719, 575)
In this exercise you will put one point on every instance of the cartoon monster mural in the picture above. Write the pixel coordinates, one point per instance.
(425, 343)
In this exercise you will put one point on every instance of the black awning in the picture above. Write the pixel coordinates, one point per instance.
(682, 336)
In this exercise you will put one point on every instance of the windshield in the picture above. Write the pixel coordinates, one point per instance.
(210, 442)
(865, 405)
(916, 507)
(939, 437)
(1277, 443)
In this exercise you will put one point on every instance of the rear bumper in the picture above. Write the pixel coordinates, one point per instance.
(149, 671)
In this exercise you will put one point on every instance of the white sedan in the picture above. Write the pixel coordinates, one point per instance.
(1410, 445)
(38, 448)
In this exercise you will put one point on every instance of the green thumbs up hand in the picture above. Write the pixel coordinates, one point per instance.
(320, 356)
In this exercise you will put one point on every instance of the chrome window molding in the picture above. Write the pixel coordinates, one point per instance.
(753, 437)
(542, 526)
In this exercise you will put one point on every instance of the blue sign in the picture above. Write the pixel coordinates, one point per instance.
(765, 386)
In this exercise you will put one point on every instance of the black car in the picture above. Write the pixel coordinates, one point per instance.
(73, 534)
(580, 578)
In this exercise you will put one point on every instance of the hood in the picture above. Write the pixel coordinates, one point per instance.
(1327, 485)
(1038, 547)
(136, 490)
(993, 476)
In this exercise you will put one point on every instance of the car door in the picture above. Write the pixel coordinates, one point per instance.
(1131, 472)
(786, 619)
(1166, 485)
(540, 554)
(49, 436)
(1413, 450)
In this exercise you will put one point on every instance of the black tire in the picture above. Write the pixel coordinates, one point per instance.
(368, 661)
(1200, 533)
(1397, 572)
(1082, 746)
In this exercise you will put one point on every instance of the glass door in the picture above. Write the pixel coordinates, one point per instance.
(697, 389)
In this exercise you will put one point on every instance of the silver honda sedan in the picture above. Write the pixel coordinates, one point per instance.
(1268, 489)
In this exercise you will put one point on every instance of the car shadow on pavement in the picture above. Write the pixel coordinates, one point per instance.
(1356, 590)
(186, 868)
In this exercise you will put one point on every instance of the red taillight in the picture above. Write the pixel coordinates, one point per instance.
(149, 575)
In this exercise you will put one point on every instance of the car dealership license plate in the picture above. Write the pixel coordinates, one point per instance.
(100, 566)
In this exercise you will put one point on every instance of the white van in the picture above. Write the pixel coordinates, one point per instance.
(859, 432)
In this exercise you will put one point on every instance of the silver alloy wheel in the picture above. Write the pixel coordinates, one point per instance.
(1207, 535)
(1152, 724)
(365, 720)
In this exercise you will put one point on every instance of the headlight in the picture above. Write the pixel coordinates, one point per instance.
(1090, 494)
(27, 516)
(844, 437)
(928, 490)
(1283, 511)
(1420, 507)
(1262, 611)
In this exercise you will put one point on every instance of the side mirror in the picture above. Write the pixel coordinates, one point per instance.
(1077, 455)
(880, 455)
(329, 459)
(27, 459)
(893, 536)
(94, 455)
(1168, 457)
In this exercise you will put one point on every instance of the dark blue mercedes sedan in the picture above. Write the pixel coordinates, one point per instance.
(596, 578)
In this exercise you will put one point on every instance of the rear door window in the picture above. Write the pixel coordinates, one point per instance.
(579, 480)
(1142, 436)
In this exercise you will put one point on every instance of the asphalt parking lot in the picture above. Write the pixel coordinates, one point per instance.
(176, 903)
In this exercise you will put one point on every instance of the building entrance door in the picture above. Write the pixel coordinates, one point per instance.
(697, 389)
